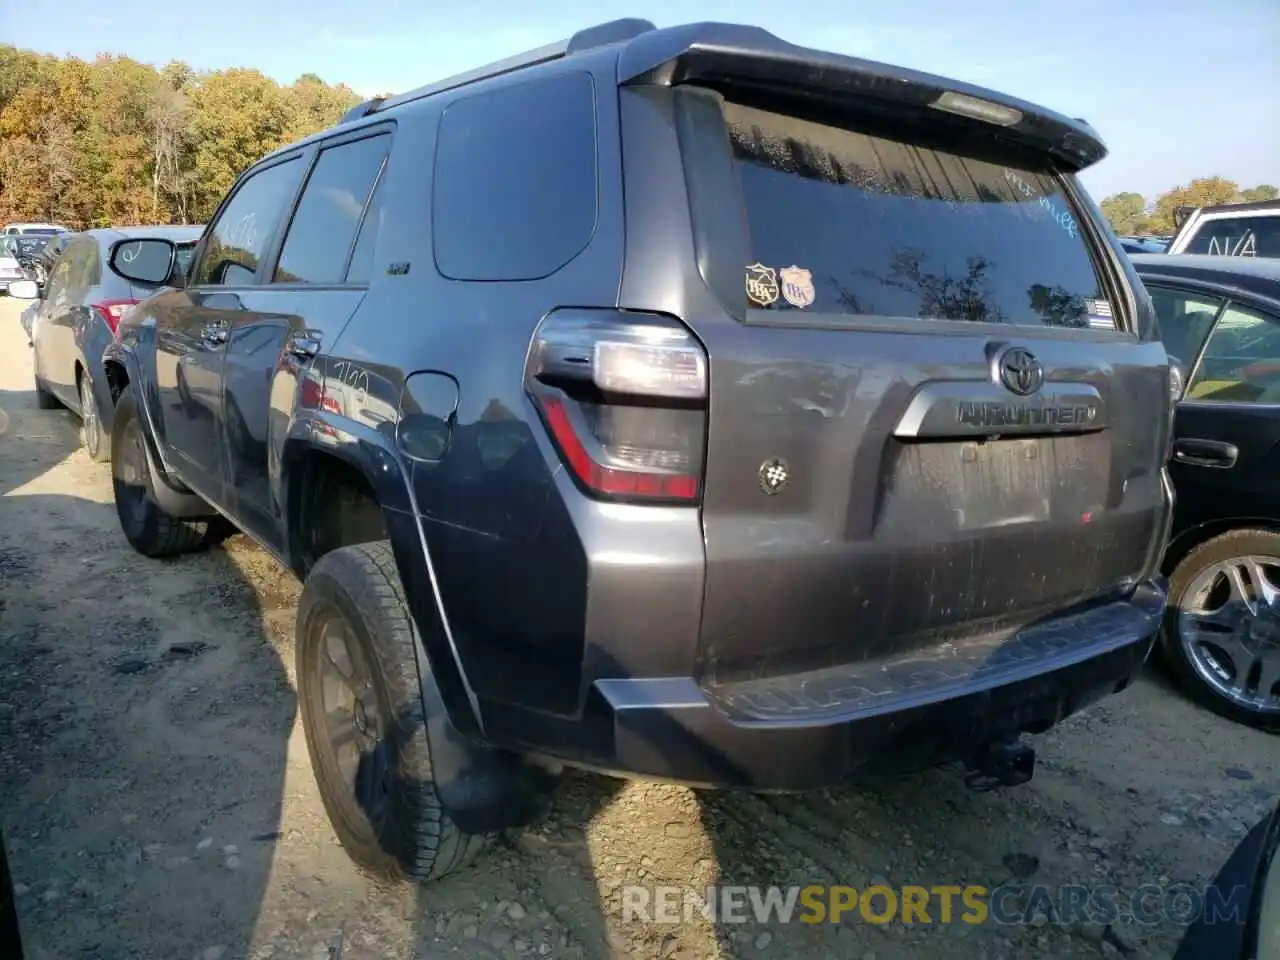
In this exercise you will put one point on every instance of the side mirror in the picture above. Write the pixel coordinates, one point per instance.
(148, 261)
(24, 290)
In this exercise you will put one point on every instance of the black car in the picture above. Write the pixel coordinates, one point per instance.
(1220, 319)
(604, 429)
(80, 309)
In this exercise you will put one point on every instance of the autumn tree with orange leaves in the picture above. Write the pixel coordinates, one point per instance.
(115, 141)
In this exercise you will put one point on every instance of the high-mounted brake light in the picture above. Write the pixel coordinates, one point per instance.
(623, 396)
(976, 108)
(113, 311)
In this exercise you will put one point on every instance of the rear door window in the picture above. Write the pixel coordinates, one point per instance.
(1185, 319)
(83, 269)
(1237, 237)
(1241, 362)
(846, 222)
(333, 202)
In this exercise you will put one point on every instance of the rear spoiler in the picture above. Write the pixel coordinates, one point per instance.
(720, 54)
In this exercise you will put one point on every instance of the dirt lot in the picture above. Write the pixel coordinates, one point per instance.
(158, 801)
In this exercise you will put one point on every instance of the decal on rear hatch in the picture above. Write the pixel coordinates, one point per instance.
(762, 284)
(797, 286)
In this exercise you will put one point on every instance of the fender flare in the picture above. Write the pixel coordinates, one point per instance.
(1191, 537)
(170, 495)
(482, 787)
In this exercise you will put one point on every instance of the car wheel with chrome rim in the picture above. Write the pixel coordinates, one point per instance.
(1222, 632)
(96, 443)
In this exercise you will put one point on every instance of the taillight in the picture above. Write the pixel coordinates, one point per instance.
(624, 397)
(112, 310)
(1177, 386)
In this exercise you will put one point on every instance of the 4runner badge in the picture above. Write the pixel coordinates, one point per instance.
(762, 284)
(774, 476)
(797, 286)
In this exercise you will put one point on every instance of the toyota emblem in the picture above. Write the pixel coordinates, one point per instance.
(1020, 371)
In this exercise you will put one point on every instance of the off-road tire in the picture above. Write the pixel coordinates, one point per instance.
(417, 840)
(149, 529)
(1236, 543)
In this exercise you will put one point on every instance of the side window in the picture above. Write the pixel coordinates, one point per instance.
(324, 226)
(1241, 361)
(79, 264)
(362, 257)
(1185, 319)
(91, 271)
(239, 237)
(56, 289)
(516, 180)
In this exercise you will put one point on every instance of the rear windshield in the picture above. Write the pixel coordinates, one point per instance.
(848, 223)
(28, 245)
(1237, 237)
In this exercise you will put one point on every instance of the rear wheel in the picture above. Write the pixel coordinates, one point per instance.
(1222, 634)
(96, 444)
(150, 529)
(364, 720)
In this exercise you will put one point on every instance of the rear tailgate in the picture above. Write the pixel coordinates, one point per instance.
(930, 415)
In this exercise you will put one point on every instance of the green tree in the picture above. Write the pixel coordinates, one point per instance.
(1204, 192)
(1263, 191)
(1126, 212)
(117, 141)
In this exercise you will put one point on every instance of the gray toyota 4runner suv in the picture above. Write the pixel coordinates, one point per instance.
(673, 403)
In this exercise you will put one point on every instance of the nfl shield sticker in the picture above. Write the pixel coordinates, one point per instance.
(797, 286)
(762, 284)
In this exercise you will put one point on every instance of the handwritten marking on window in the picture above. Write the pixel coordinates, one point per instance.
(353, 376)
(1245, 246)
(1060, 216)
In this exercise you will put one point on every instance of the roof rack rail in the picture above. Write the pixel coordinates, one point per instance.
(362, 109)
(602, 34)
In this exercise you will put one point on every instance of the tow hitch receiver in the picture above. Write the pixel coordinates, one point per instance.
(1001, 764)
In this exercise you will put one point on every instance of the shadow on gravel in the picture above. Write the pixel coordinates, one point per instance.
(144, 721)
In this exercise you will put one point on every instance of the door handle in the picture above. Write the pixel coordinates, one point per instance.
(215, 334)
(304, 347)
(1206, 453)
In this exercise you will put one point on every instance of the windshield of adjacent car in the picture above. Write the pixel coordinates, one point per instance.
(1257, 236)
(885, 227)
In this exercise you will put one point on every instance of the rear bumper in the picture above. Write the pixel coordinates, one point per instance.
(814, 730)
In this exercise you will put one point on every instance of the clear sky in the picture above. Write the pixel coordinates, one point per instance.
(1177, 88)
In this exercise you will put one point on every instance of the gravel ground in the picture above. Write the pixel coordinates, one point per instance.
(158, 801)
